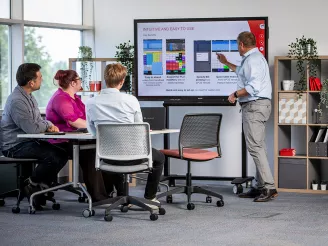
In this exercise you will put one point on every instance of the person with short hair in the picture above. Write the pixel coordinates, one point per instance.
(66, 110)
(112, 106)
(253, 92)
(21, 115)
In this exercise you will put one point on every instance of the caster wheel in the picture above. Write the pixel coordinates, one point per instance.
(161, 211)
(169, 199)
(56, 206)
(237, 189)
(220, 203)
(2, 202)
(15, 210)
(191, 206)
(87, 213)
(208, 199)
(81, 199)
(31, 210)
(108, 217)
(124, 209)
(93, 213)
(153, 217)
(50, 194)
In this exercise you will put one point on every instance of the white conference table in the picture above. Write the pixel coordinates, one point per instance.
(77, 139)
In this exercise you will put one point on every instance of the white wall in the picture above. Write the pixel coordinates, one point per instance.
(288, 19)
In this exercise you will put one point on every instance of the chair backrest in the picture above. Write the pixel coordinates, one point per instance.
(123, 142)
(200, 131)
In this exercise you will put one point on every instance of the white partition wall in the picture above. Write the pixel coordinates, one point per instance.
(287, 21)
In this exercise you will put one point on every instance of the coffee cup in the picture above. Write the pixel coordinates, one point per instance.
(286, 85)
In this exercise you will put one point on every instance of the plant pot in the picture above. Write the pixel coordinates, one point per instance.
(307, 49)
(314, 186)
(323, 186)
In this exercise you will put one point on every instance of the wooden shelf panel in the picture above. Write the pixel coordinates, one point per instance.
(318, 157)
(291, 124)
(296, 156)
(303, 191)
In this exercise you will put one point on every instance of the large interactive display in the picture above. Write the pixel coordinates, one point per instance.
(175, 59)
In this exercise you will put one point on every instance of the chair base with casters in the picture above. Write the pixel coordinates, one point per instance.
(124, 201)
(188, 189)
(24, 169)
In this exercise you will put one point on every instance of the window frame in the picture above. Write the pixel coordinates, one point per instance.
(17, 23)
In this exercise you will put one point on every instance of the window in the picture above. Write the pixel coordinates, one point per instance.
(4, 65)
(5, 9)
(58, 11)
(50, 48)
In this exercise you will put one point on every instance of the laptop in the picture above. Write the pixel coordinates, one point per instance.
(155, 117)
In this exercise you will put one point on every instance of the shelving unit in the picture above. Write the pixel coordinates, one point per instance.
(295, 173)
(72, 62)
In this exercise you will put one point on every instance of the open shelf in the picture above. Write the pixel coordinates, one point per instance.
(296, 124)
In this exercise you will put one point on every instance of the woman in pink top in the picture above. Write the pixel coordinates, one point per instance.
(66, 111)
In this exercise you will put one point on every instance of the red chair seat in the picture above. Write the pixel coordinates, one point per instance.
(191, 154)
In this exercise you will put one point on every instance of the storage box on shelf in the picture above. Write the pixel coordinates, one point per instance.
(296, 125)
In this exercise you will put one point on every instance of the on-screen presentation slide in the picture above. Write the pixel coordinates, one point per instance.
(175, 56)
(180, 58)
(152, 57)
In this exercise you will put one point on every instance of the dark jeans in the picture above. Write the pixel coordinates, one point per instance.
(51, 159)
(153, 177)
(99, 184)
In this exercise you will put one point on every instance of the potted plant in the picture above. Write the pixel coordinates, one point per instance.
(323, 100)
(125, 55)
(314, 185)
(323, 185)
(85, 56)
(305, 51)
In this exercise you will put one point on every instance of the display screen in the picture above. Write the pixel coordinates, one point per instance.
(176, 59)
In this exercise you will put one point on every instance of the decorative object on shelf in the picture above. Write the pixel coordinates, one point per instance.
(287, 152)
(323, 185)
(292, 108)
(323, 104)
(314, 185)
(85, 56)
(305, 51)
(288, 85)
(125, 55)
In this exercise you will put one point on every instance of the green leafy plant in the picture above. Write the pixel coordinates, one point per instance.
(125, 55)
(305, 51)
(85, 56)
(323, 98)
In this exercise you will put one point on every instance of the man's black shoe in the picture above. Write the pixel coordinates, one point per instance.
(39, 200)
(252, 193)
(266, 195)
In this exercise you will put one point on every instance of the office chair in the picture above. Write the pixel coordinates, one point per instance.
(24, 169)
(198, 133)
(125, 149)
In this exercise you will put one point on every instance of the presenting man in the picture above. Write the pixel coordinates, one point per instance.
(21, 115)
(254, 95)
(112, 106)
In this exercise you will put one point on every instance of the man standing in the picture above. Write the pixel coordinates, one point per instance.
(112, 106)
(21, 115)
(254, 95)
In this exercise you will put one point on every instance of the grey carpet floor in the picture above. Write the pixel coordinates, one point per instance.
(291, 219)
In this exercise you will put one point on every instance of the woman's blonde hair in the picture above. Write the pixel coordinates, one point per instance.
(114, 74)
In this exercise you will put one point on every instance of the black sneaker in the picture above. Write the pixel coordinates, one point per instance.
(39, 200)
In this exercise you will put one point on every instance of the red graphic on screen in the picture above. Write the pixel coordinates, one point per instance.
(258, 29)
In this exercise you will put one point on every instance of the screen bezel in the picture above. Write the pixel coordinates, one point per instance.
(189, 100)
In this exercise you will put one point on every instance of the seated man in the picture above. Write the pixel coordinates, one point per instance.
(21, 115)
(111, 106)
